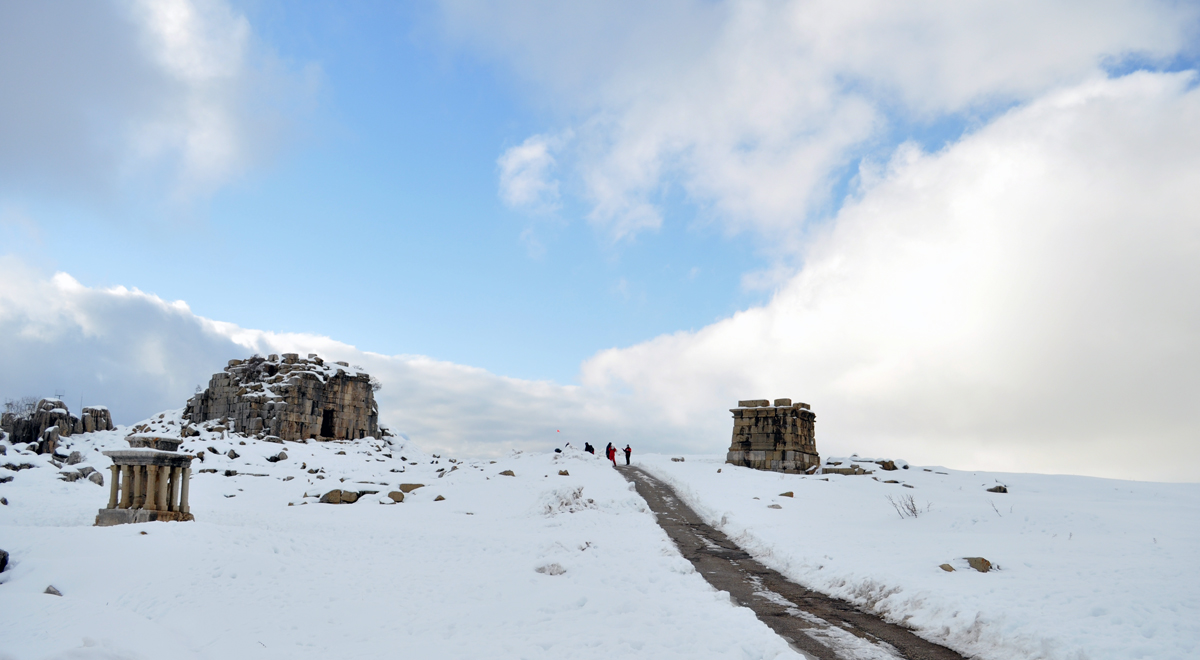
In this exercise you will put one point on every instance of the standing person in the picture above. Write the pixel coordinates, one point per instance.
(628, 451)
(612, 454)
(587, 446)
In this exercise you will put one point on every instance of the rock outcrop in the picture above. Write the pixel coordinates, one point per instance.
(290, 399)
(778, 437)
(50, 420)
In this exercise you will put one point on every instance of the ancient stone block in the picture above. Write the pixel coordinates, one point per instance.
(295, 399)
(779, 438)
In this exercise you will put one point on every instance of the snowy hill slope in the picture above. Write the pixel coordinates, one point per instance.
(534, 565)
(1088, 568)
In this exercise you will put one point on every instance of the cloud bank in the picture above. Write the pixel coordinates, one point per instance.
(754, 108)
(102, 99)
(1027, 299)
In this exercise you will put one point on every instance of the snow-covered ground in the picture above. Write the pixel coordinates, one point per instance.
(531, 566)
(1088, 568)
(253, 577)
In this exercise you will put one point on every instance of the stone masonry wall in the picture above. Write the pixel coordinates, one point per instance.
(291, 399)
(49, 420)
(778, 437)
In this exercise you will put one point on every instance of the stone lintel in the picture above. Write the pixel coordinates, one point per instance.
(149, 457)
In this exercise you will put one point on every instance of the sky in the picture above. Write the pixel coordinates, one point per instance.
(964, 232)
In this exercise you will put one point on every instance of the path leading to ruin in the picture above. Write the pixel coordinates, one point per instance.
(814, 624)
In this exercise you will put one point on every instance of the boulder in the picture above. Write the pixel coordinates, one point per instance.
(332, 497)
(233, 454)
(396, 496)
(947, 567)
(281, 456)
(979, 563)
(408, 488)
(75, 458)
(96, 478)
(888, 465)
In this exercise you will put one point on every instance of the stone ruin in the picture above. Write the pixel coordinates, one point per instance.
(149, 482)
(776, 437)
(49, 420)
(290, 399)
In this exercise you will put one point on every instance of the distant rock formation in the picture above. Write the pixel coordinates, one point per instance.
(778, 437)
(49, 420)
(291, 399)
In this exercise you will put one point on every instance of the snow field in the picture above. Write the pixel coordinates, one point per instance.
(1089, 568)
(253, 577)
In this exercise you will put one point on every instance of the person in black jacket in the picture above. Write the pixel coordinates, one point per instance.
(628, 451)
(587, 446)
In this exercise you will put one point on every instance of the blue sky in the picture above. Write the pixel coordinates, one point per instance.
(378, 222)
(618, 218)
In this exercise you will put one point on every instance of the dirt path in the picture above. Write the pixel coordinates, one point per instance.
(814, 624)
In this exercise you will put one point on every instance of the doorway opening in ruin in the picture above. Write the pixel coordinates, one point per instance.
(327, 424)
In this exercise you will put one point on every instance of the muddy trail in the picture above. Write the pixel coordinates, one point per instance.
(814, 624)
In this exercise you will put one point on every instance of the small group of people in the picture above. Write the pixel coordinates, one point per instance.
(610, 452)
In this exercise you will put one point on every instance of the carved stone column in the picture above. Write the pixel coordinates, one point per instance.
(126, 487)
(114, 487)
(183, 493)
(139, 478)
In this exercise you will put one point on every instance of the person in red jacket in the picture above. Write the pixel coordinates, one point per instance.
(612, 454)
(628, 451)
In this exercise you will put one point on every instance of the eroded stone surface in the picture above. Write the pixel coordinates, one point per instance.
(777, 437)
(292, 399)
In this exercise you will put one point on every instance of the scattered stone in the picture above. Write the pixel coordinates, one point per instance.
(332, 497)
(70, 475)
(273, 438)
(341, 453)
(281, 456)
(718, 470)
(4, 501)
(551, 569)
(439, 498)
(87, 470)
(563, 473)
(947, 567)
(96, 478)
(397, 496)
(213, 450)
(676, 459)
(231, 473)
(75, 458)
(508, 473)
(213, 470)
(52, 591)
(3, 450)
(408, 488)
(998, 489)
(349, 497)
(979, 563)
(787, 494)
(233, 454)
(4, 480)
(888, 465)
(288, 478)
(907, 485)
(891, 481)
(774, 506)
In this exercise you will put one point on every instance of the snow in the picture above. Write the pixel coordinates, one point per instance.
(539, 565)
(1088, 568)
(536, 565)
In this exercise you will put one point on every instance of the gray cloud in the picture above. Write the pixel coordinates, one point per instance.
(101, 98)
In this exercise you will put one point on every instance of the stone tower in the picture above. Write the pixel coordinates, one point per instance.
(290, 399)
(780, 438)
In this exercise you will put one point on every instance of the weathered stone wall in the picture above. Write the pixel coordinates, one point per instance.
(778, 437)
(51, 420)
(291, 399)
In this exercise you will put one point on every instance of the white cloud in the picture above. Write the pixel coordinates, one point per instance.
(526, 179)
(1028, 299)
(753, 106)
(139, 355)
(174, 97)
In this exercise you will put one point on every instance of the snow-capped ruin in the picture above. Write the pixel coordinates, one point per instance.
(290, 399)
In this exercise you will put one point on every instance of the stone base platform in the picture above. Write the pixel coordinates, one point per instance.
(108, 517)
(776, 461)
